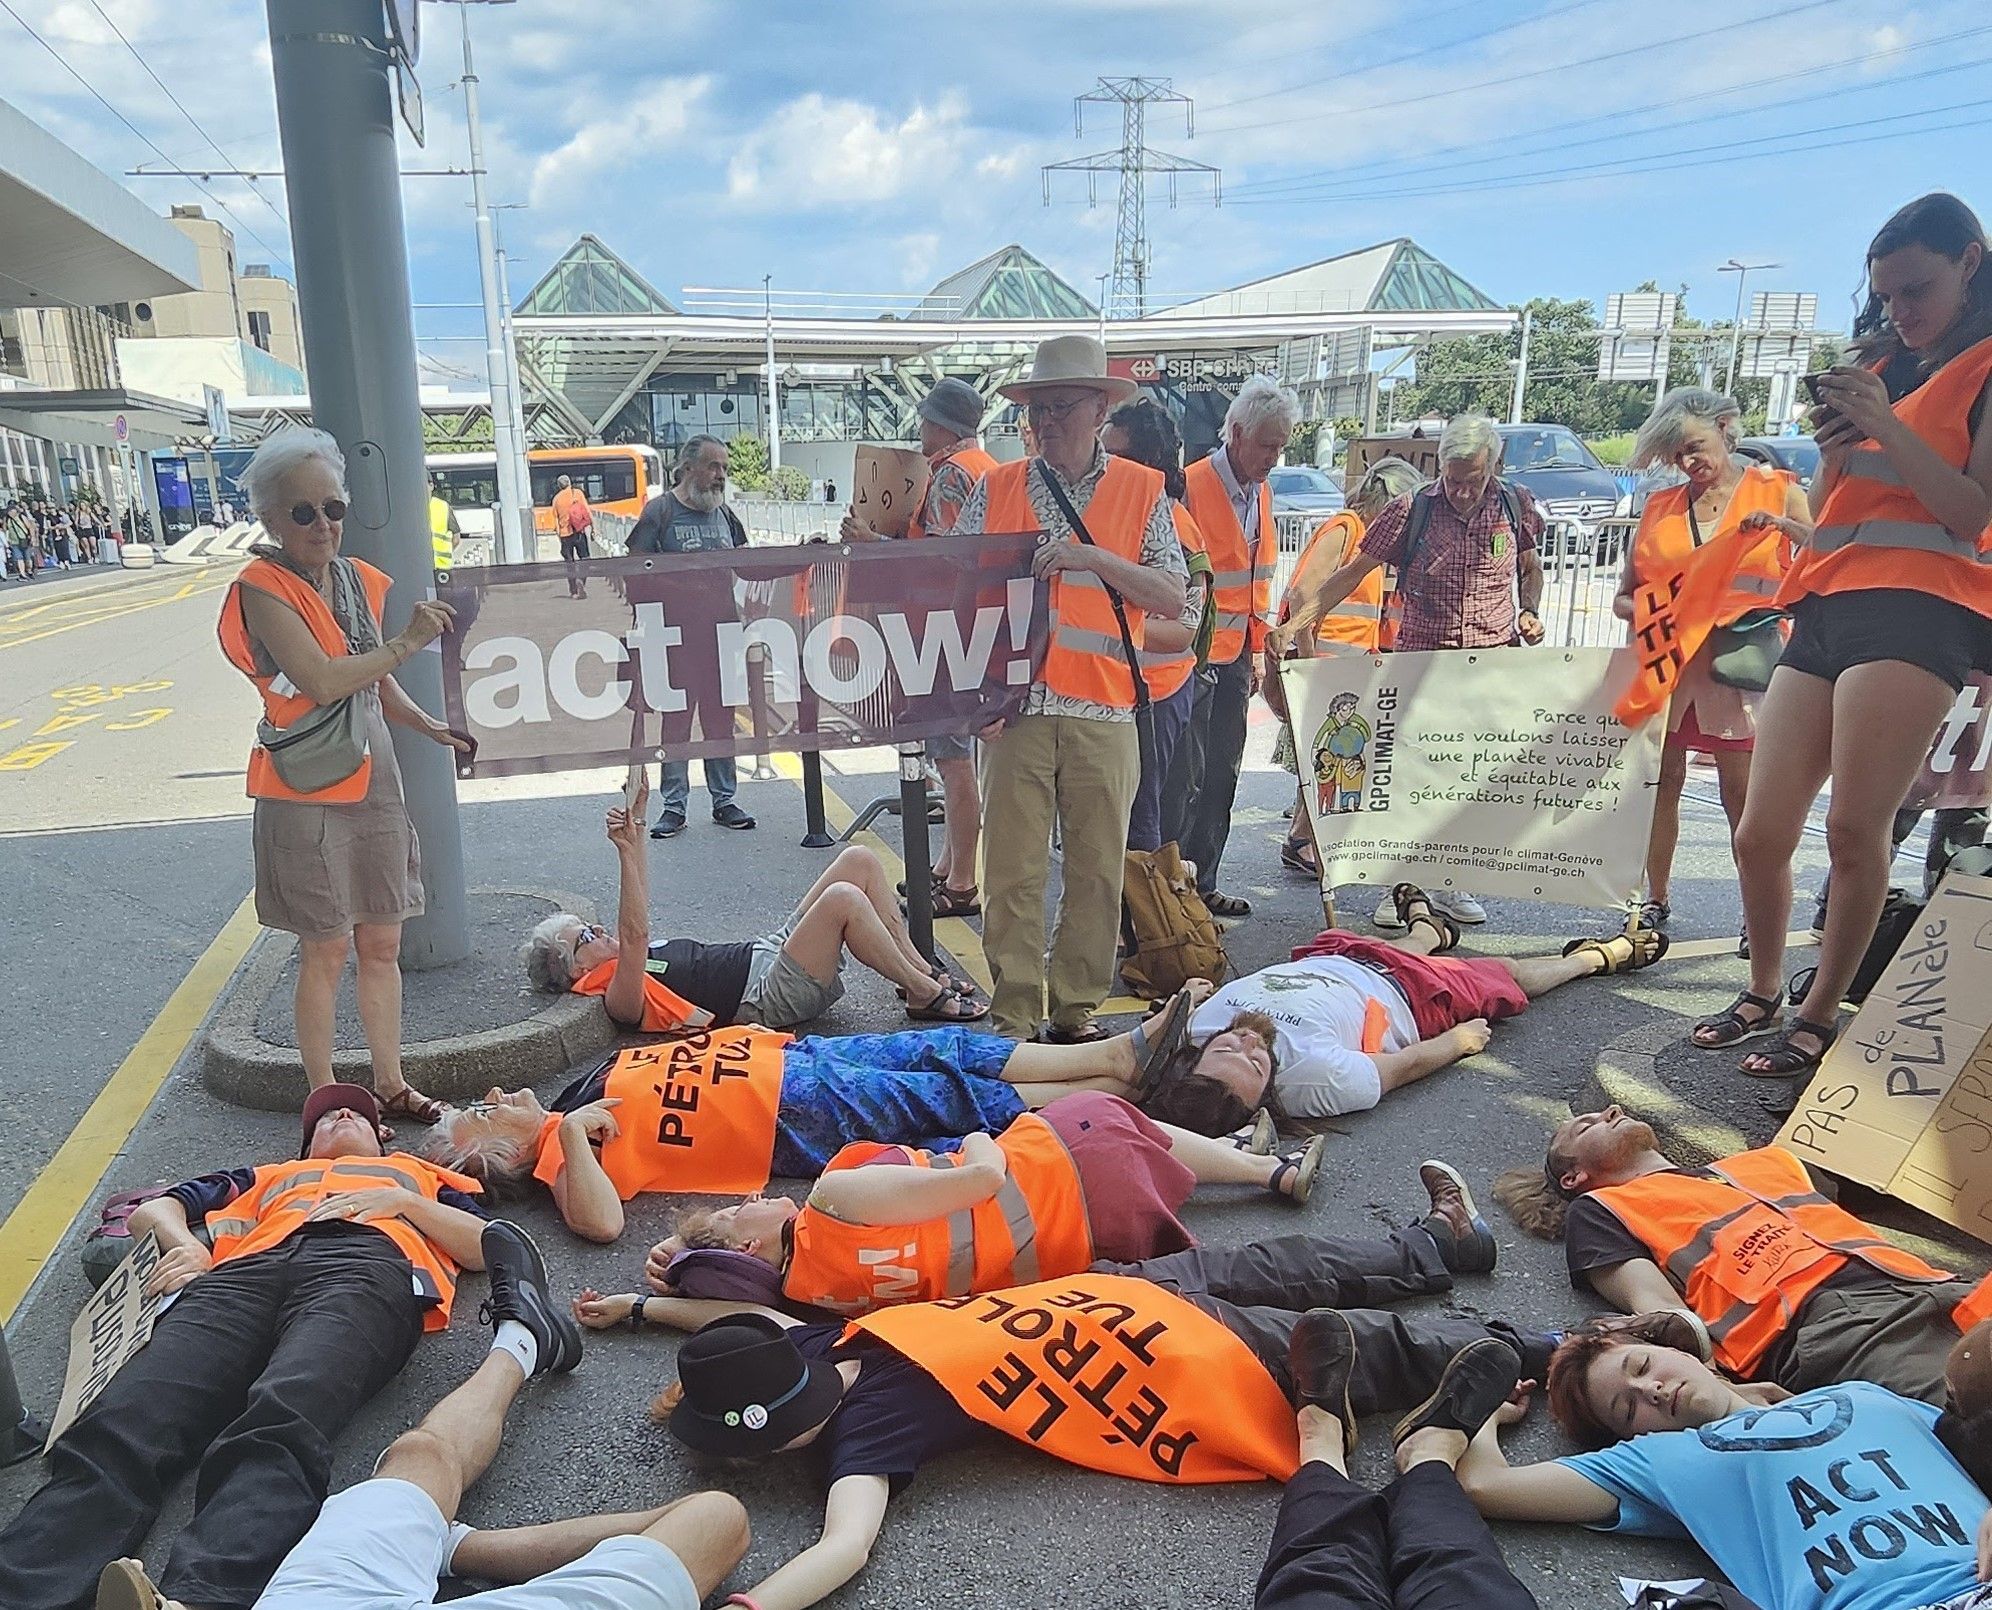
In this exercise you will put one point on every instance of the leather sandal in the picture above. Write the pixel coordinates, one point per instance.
(1297, 855)
(411, 1104)
(1153, 1053)
(1294, 1178)
(949, 1005)
(1623, 953)
(1785, 1060)
(1415, 906)
(1730, 1027)
(952, 902)
(1220, 904)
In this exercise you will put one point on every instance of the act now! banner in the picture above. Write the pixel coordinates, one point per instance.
(554, 667)
(1498, 771)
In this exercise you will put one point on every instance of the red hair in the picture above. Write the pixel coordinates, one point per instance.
(1568, 1386)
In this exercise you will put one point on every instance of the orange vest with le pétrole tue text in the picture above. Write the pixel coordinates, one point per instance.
(1108, 1372)
(282, 1197)
(282, 702)
(972, 459)
(664, 1010)
(1164, 673)
(1033, 1228)
(1086, 659)
(696, 1114)
(1748, 1248)
(1241, 579)
(1358, 619)
(1873, 532)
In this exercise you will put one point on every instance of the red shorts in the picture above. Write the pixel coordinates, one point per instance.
(1444, 991)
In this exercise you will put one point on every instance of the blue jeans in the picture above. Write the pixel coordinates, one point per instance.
(674, 783)
(1171, 717)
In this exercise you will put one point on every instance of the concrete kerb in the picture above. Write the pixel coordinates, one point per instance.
(241, 1067)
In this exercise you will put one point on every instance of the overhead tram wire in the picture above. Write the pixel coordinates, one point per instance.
(1428, 161)
(96, 95)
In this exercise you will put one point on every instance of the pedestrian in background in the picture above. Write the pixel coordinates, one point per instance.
(20, 529)
(574, 522)
(336, 859)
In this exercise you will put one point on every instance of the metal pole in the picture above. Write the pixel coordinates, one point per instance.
(919, 853)
(774, 400)
(1522, 368)
(512, 383)
(21, 1433)
(514, 538)
(1736, 331)
(816, 830)
(335, 115)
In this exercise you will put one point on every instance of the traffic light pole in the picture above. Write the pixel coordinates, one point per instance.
(335, 114)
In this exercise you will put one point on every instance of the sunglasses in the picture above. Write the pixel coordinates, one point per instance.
(587, 934)
(305, 515)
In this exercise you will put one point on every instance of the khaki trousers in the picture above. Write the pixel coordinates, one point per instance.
(1082, 775)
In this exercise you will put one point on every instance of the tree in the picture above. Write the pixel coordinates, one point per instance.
(747, 463)
(789, 484)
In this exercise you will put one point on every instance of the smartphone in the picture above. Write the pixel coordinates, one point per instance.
(1811, 385)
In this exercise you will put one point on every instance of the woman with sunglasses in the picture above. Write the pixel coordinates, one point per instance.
(336, 859)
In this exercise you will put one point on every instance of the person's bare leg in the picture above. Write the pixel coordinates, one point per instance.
(841, 918)
(1538, 975)
(320, 962)
(964, 810)
(1218, 1162)
(1732, 784)
(377, 949)
(459, 1437)
(1420, 939)
(1666, 835)
(1035, 1095)
(1074, 1067)
(1322, 1439)
(862, 870)
(709, 1534)
(512, 1554)
(1794, 754)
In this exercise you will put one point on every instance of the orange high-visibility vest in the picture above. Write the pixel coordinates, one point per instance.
(1748, 1248)
(1166, 673)
(1358, 619)
(1241, 581)
(282, 1196)
(1108, 1372)
(1085, 659)
(697, 1114)
(1975, 1309)
(1874, 532)
(663, 1009)
(972, 459)
(282, 702)
(1033, 1228)
(1665, 542)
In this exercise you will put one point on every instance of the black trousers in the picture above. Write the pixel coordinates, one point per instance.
(573, 549)
(1419, 1543)
(1203, 774)
(1258, 1292)
(252, 1372)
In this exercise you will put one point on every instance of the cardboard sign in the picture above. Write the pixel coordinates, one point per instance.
(1903, 1101)
(1501, 771)
(114, 1324)
(892, 481)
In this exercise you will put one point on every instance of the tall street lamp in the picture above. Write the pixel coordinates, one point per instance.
(1742, 271)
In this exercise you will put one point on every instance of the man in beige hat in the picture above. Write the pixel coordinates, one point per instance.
(1071, 759)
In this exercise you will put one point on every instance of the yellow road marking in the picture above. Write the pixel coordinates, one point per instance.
(189, 590)
(64, 1188)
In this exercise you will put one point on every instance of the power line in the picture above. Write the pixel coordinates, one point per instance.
(63, 62)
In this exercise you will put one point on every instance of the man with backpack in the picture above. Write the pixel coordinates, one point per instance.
(1468, 574)
(573, 520)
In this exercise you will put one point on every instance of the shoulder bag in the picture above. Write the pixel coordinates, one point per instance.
(1744, 653)
(328, 743)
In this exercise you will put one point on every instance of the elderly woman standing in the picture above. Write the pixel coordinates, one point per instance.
(1696, 430)
(336, 858)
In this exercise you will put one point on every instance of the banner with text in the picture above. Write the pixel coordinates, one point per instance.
(1903, 1101)
(1501, 771)
(610, 661)
(1958, 773)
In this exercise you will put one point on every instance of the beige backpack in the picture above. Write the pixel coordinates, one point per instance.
(1169, 933)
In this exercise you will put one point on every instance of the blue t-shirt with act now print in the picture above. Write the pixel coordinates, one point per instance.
(1837, 1499)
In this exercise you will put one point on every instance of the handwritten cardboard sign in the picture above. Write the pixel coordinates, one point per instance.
(891, 482)
(114, 1324)
(1903, 1101)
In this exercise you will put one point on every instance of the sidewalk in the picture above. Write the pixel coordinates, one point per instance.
(72, 583)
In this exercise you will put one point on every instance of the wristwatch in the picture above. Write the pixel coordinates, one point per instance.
(635, 1320)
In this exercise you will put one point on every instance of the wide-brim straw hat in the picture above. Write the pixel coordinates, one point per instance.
(1071, 360)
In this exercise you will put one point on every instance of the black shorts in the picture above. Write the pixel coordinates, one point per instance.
(1834, 632)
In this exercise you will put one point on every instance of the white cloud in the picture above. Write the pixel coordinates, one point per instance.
(655, 117)
(818, 152)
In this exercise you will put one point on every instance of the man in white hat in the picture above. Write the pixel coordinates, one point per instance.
(1072, 758)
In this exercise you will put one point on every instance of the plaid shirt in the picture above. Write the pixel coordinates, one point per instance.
(1459, 591)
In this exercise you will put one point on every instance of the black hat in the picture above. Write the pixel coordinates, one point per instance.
(747, 1391)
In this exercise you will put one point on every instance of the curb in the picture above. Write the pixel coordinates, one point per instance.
(238, 1065)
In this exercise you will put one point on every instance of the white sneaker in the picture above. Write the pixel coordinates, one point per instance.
(1386, 915)
(1458, 905)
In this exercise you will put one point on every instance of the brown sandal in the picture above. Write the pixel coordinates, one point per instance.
(953, 902)
(411, 1104)
(1623, 953)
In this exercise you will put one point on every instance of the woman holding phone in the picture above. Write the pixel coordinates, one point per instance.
(1891, 601)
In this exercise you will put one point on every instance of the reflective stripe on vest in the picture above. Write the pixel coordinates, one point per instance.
(282, 702)
(1033, 1227)
(1358, 619)
(663, 1009)
(1085, 659)
(1665, 544)
(282, 1197)
(1242, 579)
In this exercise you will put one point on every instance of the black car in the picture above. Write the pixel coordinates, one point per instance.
(1577, 493)
(1797, 454)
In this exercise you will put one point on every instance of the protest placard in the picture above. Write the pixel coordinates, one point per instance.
(1903, 1101)
(1501, 771)
(114, 1324)
(685, 656)
(889, 484)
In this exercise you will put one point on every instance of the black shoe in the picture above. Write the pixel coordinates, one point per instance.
(669, 825)
(731, 815)
(1479, 1378)
(1466, 1245)
(1321, 1353)
(518, 1291)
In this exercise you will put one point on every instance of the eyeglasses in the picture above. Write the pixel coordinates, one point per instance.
(305, 515)
(1044, 413)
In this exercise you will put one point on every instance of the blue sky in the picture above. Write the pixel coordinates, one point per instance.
(874, 147)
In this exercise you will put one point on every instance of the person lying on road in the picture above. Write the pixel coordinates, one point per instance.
(780, 980)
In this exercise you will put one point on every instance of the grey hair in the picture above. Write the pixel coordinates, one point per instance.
(549, 963)
(565, 480)
(499, 1163)
(689, 453)
(278, 456)
(1387, 480)
(1260, 401)
(1468, 436)
(1659, 439)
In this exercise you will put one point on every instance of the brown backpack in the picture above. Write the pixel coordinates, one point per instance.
(1170, 936)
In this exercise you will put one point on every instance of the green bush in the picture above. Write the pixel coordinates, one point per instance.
(1613, 449)
(790, 484)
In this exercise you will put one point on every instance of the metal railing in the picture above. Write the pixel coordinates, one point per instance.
(771, 523)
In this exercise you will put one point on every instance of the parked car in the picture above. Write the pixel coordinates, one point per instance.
(1577, 493)
(1303, 496)
(1798, 454)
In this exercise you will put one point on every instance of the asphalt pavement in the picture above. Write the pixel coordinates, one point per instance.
(124, 854)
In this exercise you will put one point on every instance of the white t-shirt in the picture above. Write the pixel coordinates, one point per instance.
(1318, 1006)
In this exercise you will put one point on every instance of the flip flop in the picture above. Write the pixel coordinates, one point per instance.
(1153, 1053)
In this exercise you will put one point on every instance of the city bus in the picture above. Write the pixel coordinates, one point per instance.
(617, 480)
